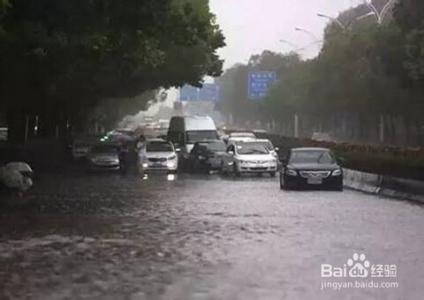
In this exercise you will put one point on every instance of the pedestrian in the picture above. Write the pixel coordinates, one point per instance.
(123, 157)
(141, 142)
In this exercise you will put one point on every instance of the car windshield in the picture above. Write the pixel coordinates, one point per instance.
(214, 147)
(159, 147)
(251, 148)
(203, 135)
(311, 157)
(266, 144)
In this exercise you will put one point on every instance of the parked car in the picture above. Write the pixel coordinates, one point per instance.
(184, 132)
(207, 156)
(249, 157)
(159, 155)
(306, 167)
(104, 157)
(80, 146)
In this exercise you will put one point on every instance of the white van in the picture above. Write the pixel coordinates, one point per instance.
(184, 132)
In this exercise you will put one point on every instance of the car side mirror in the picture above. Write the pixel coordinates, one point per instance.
(178, 150)
(231, 153)
(276, 149)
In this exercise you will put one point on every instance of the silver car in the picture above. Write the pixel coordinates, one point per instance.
(249, 157)
(104, 157)
(158, 156)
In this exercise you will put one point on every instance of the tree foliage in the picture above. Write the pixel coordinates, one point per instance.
(367, 72)
(74, 53)
(234, 83)
(409, 15)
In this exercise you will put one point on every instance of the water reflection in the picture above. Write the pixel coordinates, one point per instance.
(169, 177)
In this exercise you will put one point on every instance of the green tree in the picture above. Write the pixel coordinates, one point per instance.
(409, 15)
(58, 58)
(234, 84)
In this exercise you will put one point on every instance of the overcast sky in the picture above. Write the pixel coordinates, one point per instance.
(250, 26)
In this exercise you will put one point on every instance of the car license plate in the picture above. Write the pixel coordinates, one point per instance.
(314, 181)
(157, 165)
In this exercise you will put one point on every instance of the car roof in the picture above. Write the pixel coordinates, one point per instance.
(310, 149)
(252, 141)
(209, 142)
(241, 139)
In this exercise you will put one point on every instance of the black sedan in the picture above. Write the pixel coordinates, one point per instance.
(207, 156)
(311, 167)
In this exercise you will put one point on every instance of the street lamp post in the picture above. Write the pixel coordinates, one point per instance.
(335, 20)
(307, 32)
(380, 16)
(371, 13)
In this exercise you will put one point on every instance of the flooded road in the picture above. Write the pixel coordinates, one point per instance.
(106, 236)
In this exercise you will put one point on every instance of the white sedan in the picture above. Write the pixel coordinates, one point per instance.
(249, 157)
(158, 156)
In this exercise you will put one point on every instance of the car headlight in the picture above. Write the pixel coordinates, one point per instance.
(201, 157)
(337, 172)
(291, 172)
(171, 164)
(172, 157)
(145, 165)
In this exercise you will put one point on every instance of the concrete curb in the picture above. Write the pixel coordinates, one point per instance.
(387, 186)
(365, 182)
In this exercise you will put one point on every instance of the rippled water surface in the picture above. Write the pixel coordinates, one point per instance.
(106, 236)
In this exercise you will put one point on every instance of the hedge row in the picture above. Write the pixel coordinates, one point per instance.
(384, 160)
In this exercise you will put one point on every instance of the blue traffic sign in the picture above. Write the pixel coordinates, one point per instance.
(209, 92)
(259, 84)
(189, 93)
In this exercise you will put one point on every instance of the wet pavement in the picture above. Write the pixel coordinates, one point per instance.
(107, 236)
